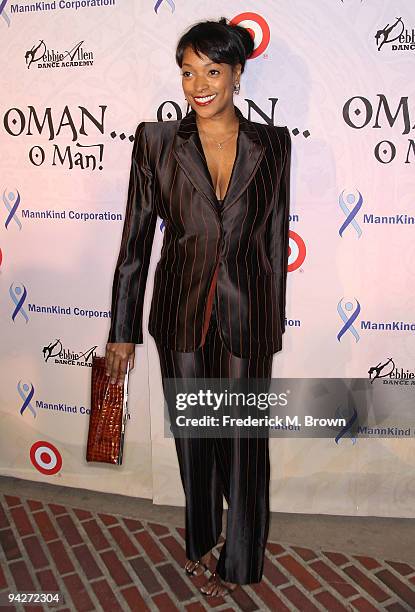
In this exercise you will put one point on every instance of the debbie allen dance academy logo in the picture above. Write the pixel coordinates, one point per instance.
(55, 352)
(43, 57)
(388, 370)
(396, 37)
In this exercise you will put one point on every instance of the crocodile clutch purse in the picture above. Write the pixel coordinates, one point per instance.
(109, 413)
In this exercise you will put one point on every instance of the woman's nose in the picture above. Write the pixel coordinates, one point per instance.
(200, 84)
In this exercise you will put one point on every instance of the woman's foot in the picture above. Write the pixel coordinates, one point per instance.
(216, 587)
(197, 568)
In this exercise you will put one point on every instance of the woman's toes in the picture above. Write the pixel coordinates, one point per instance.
(190, 566)
(209, 586)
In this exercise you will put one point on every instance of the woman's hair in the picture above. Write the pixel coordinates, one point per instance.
(222, 42)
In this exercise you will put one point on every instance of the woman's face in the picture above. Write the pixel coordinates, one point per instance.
(208, 86)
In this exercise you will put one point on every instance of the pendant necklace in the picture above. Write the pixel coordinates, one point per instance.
(220, 144)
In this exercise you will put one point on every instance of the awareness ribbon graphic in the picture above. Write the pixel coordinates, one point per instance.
(26, 392)
(348, 321)
(169, 2)
(347, 427)
(3, 12)
(12, 208)
(350, 214)
(18, 296)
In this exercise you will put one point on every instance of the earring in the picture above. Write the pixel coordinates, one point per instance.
(236, 88)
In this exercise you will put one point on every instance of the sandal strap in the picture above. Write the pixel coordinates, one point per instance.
(197, 563)
(222, 585)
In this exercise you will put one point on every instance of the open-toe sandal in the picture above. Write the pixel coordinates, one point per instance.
(221, 587)
(197, 564)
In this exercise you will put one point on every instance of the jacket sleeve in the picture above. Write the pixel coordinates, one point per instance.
(131, 270)
(278, 236)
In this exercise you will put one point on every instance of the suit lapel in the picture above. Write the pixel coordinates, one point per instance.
(188, 150)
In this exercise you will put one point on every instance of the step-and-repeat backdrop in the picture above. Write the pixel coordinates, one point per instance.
(77, 77)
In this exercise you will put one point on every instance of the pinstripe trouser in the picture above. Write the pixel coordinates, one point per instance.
(237, 468)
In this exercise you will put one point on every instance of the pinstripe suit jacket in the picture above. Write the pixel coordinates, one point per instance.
(236, 254)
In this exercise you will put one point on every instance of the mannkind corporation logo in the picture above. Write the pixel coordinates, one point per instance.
(43, 57)
(391, 373)
(19, 296)
(54, 352)
(396, 36)
(66, 5)
(351, 204)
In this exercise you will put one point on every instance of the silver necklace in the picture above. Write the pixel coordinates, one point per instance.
(220, 144)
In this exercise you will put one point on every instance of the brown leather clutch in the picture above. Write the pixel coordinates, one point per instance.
(109, 413)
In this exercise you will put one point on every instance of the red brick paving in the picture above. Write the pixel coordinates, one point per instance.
(45, 525)
(21, 521)
(148, 544)
(401, 568)
(134, 599)
(367, 562)
(126, 544)
(335, 580)
(4, 521)
(101, 561)
(96, 535)
(35, 552)
(57, 509)
(63, 564)
(34, 505)
(69, 529)
(133, 525)
(82, 514)
(298, 570)
(363, 605)
(47, 580)
(329, 602)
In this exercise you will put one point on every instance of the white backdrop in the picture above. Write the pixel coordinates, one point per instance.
(62, 214)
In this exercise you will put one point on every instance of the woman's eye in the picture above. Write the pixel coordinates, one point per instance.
(214, 70)
(185, 73)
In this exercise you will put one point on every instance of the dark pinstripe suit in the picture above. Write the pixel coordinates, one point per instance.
(241, 249)
(218, 307)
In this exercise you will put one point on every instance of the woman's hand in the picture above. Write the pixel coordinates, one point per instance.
(117, 356)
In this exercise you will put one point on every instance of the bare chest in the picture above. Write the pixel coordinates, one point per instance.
(220, 162)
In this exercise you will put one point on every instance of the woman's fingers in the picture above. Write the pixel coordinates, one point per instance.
(122, 371)
(117, 356)
(109, 360)
(115, 369)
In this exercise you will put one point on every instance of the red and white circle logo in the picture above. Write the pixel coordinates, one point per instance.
(258, 29)
(45, 457)
(296, 251)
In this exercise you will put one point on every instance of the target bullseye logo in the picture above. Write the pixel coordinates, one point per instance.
(296, 251)
(258, 29)
(45, 457)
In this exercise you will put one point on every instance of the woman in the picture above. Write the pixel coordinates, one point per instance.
(221, 185)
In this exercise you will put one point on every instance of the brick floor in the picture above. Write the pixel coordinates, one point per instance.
(106, 562)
